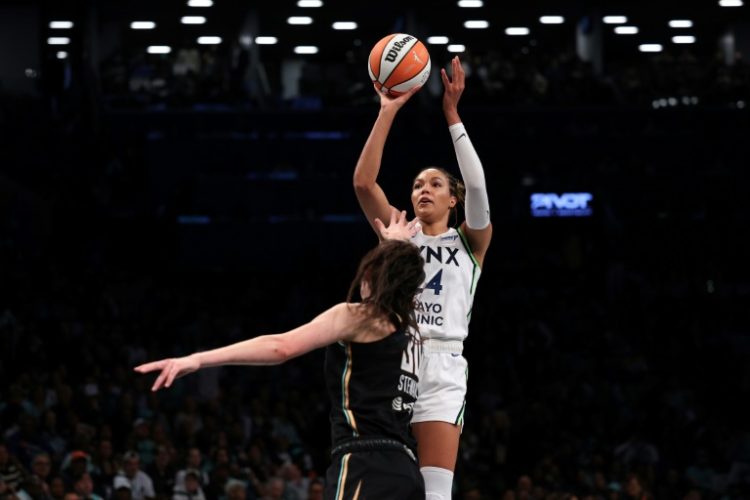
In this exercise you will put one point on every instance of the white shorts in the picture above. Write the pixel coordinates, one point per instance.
(442, 385)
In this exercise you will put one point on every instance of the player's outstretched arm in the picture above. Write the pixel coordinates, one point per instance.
(370, 195)
(335, 324)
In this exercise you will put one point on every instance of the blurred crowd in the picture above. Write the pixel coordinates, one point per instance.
(571, 395)
(527, 77)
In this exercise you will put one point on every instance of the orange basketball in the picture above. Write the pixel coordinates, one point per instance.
(397, 63)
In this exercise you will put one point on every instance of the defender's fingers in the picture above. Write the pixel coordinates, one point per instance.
(402, 218)
(174, 370)
(394, 217)
(379, 226)
(159, 382)
(150, 367)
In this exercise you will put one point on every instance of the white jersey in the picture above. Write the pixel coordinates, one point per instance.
(451, 274)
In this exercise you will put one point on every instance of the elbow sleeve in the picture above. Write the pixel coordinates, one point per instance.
(477, 204)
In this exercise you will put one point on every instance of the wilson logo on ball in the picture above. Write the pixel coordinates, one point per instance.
(397, 63)
(393, 53)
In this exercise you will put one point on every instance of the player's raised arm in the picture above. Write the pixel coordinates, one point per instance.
(370, 195)
(476, 226)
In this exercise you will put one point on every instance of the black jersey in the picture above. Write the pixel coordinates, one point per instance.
(373, 387)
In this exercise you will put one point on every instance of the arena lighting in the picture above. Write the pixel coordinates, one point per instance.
(437, 40)
(266, 40)
(470, 4)
(61, 25)
(680, 23)
(142, 25)
(159, 49)
(731, 3)
(626, 30)
(615, 19)
(200, 3)
(58, 40)
(476, 24)
(650, 47)
(209, 40)
(552, 19)
(683, 39)
(62, 55)
(309, 3)
(517, 31)
(673, 102)
(344, 25)
(457, 47)
(193, 20)
(305, 49)
(299, 20)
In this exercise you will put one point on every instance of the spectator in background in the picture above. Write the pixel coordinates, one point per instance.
(190, 488)
(294, 480)
(140, 484)
(162, 473)
(11, 471)
(74, 465)
(84, 487)
(31, 488)
(315, 490)
(236, 490)
(5, 492)
(188, 421)
(103, 467)
(142, 442)
(57, 488)
(41, 467)
(276, 490)
(121, 487)
(193, 462)
(635, 489)
(50, 434)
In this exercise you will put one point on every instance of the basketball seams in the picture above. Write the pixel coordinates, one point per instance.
(400, 57)
(405, 50)
(375, 72)
(416, 78)
(416, 75)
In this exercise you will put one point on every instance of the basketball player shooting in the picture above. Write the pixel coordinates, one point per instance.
(453, 260)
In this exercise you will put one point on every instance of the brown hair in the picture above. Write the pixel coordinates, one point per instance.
(394, 271)
(455, 185)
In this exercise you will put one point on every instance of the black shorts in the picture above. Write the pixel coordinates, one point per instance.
(374, 475)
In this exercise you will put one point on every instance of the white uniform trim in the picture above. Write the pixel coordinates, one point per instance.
(449, 346)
